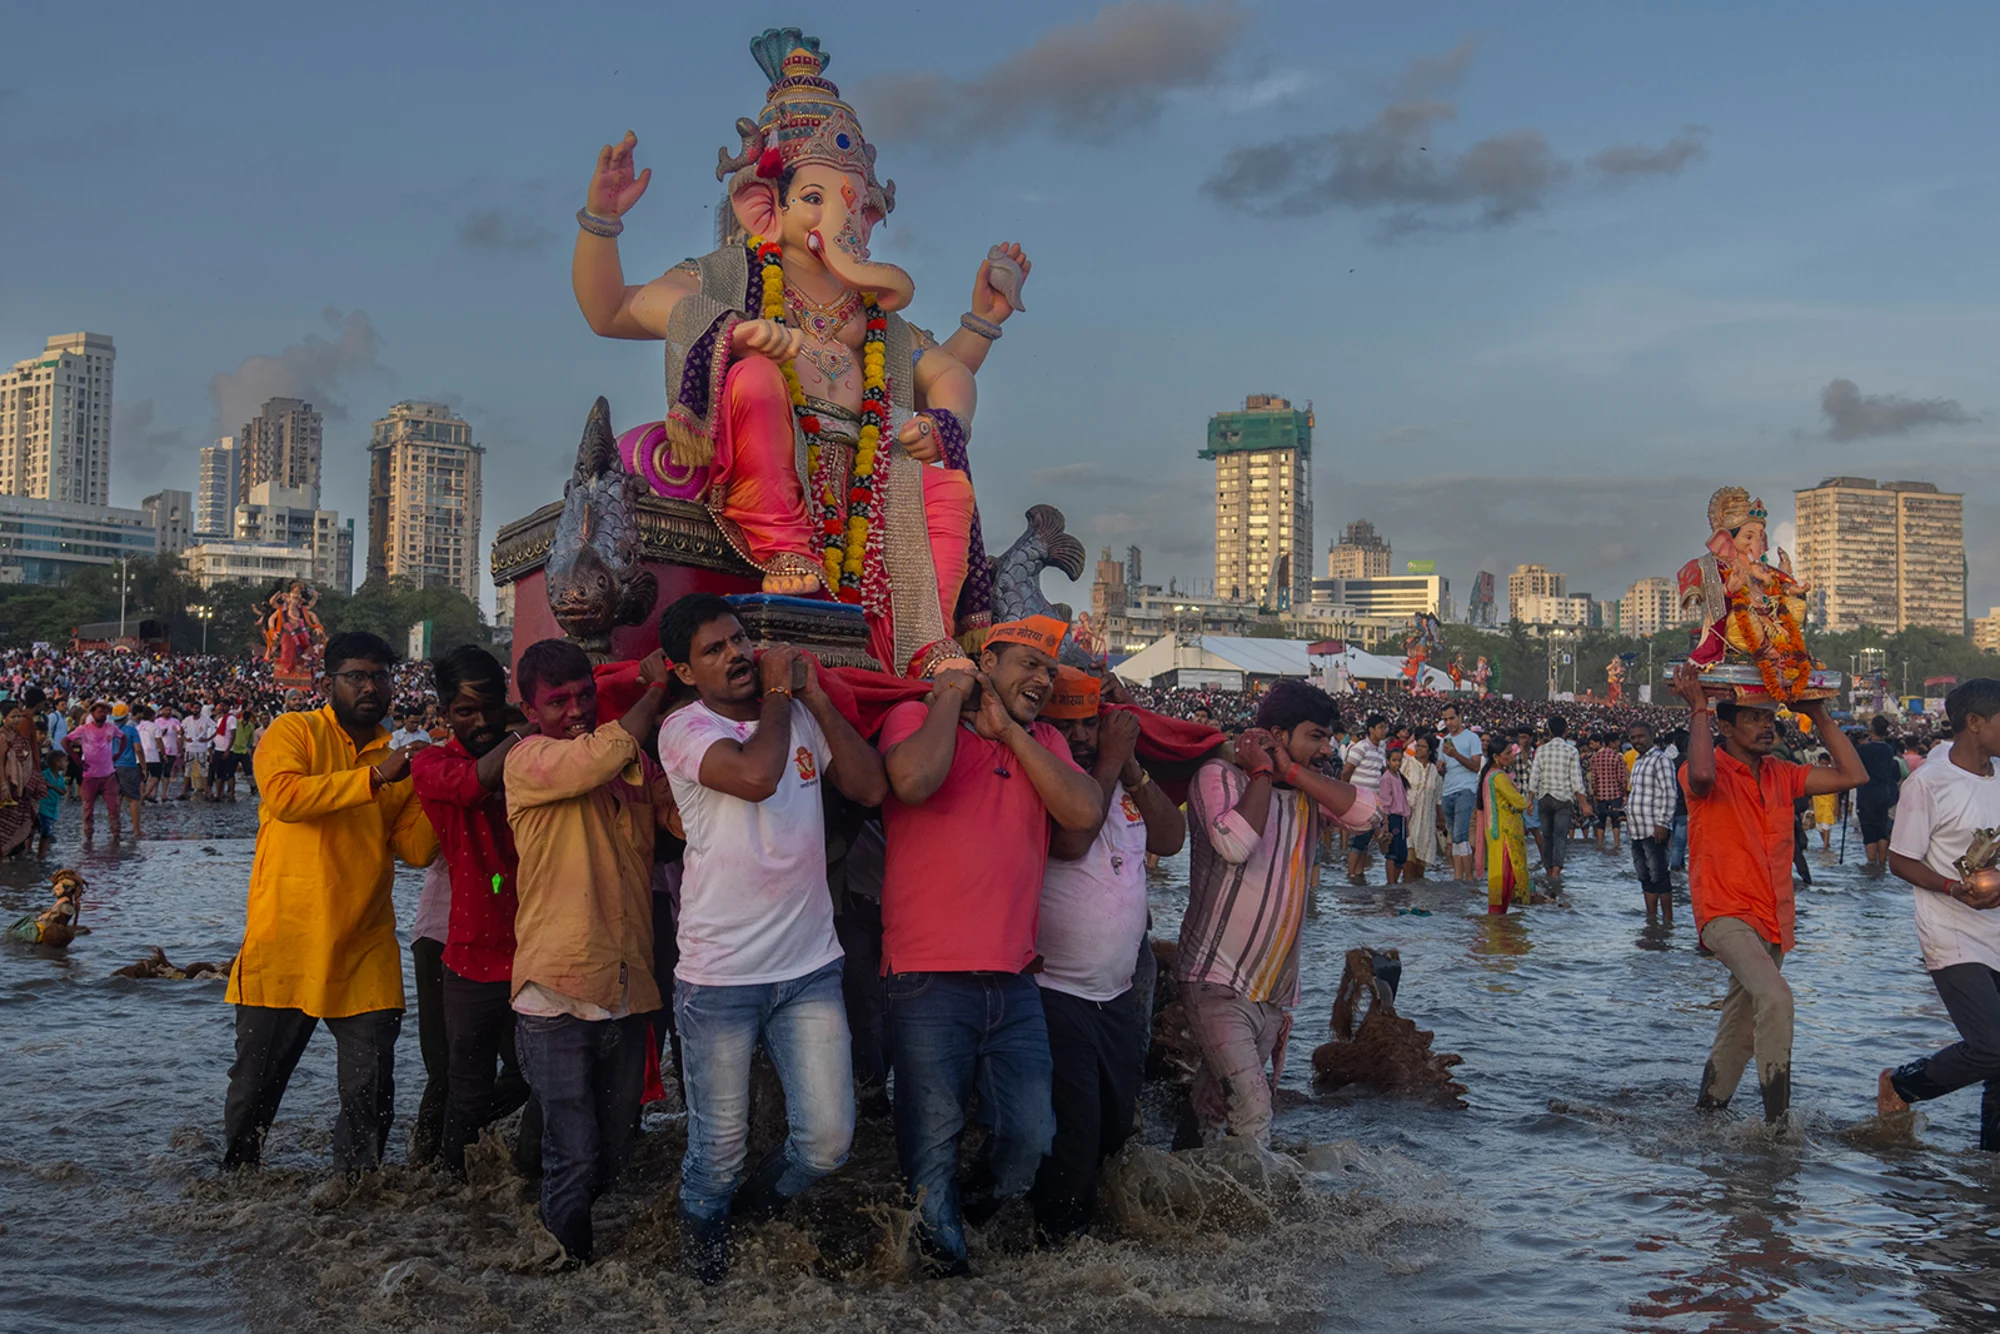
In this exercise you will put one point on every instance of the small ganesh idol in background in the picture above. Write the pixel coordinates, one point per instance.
(1745, 603)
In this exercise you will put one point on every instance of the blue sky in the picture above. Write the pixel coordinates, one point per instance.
(1549, 273)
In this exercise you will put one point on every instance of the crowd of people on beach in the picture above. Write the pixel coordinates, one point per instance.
(908, 892)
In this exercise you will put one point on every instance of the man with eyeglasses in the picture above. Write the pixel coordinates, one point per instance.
(319, 940)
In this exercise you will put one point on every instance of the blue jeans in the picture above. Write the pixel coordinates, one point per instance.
(803, 1024)
(1458, 815)
(946, 1032)
(588, 1077)
(1677, 846)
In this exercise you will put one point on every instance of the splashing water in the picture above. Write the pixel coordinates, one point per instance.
(1579, 1190)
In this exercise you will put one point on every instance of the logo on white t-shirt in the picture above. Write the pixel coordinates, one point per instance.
(808, 770)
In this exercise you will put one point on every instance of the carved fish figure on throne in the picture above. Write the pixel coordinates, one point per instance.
(825, 434)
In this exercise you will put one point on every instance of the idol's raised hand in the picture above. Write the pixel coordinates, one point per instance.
(614, 187)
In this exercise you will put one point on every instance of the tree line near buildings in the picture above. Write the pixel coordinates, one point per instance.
(160, 587)
(1520, 660)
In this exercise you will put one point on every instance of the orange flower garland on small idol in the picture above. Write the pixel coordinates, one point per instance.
(842, 546)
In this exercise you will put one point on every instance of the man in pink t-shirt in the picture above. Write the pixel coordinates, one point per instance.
(974, 781)
(94, 745)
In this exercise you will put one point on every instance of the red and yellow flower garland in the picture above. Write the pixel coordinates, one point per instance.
(843, 547)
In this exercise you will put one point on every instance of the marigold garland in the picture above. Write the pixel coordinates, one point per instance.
(843, 545)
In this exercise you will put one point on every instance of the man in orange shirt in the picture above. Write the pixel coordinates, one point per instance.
(1740, 803)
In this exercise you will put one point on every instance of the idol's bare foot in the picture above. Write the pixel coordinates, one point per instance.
(791, 585)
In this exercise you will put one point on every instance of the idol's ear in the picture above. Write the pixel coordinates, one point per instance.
(755, 203)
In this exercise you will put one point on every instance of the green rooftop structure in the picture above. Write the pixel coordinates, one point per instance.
(1263, 501)
(1266, 422)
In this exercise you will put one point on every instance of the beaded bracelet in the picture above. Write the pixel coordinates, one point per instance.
(986, 329)
(598, 226)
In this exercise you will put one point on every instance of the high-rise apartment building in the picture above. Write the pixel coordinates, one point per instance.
(1361, 553)
(1648, 607)
(1889, 555)
(280, 444)
(55, 422)
(215, 494)
(1986, 631)
(1537, 581)
(172, 513)
(290, 516)
(423, 499)
(1263, 501)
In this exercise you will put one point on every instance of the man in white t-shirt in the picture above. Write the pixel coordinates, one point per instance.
(200, 735)
(1092, 927)
(1363, 762)
(152, 768)
(758, 956)
(1942, 807)
(169, 724)
(222, 752)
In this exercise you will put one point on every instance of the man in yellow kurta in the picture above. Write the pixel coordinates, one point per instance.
(319, 942)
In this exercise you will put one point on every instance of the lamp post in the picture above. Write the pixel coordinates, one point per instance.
(205, 614)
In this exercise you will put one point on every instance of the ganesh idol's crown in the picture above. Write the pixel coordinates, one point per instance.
(804, 120)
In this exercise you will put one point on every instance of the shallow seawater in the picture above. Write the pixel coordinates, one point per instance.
(1578, 1190)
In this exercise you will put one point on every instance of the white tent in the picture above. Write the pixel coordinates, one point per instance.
(1231, 660)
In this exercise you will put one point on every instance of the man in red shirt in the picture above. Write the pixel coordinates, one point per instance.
(1740, 819)
(974, 781)
(461, 786)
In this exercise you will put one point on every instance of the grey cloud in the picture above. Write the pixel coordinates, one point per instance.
(1067, 475)
(1405, 435)
(494, 230)
(319, 369)
(1628, 160)
(1395, 166)
(1088, 81)
(1853, 415)
(1427, 76)
(143, 452)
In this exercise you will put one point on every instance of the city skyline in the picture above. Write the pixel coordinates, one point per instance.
(1753, 261)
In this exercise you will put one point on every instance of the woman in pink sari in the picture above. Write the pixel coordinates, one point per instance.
(1501, 851)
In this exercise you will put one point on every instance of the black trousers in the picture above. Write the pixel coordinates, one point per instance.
(1095, 1048)
(859, 930)
(666, 958)
(479, 1030)
(427, 1135)
(1971, 995)
(269, 1043)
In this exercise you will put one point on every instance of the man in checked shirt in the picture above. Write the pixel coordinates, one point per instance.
(1649, 810)
(1555, 781)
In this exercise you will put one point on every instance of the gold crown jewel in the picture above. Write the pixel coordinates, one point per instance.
(1758, 513)
(804, 120)
(1728, 509)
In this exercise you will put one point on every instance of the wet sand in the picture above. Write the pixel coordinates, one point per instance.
(1578, 1190)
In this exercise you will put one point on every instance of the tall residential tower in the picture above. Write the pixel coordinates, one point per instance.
(281, 444)
(55, 422)
(1263, 501)
(1888, 555)
(423, 499)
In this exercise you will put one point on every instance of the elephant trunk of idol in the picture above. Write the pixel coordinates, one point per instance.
(837, 244)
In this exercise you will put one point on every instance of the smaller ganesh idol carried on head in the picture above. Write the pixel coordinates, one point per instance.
(825, 434)
(1749, 610)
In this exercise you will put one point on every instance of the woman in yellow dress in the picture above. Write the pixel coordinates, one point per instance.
(1499, 814)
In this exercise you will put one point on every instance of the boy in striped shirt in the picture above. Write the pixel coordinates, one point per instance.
(1254, 825)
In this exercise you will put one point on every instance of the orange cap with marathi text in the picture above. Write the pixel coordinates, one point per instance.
(1042, 632)
(1074, 696)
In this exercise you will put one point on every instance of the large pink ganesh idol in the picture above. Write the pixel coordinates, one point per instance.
(825, 434)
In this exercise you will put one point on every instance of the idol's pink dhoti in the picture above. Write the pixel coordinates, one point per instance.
(755, 489)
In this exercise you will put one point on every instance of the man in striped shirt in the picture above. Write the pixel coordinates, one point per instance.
(1365, 760)
(1255, 827)
(1649, 809)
